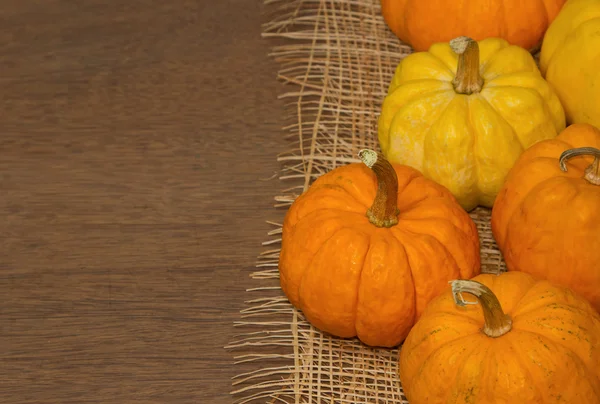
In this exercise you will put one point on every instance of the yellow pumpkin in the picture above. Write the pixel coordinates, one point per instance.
(508, 338)
(570, 60)
(462, 113)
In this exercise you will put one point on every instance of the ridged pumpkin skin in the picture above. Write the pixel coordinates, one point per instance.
(351, 278)
(550, 355)
(570, 60)
(546, 221)
(467, 143)
(421, 23)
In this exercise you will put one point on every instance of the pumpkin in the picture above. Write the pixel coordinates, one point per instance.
(570, 60)
(421, 23)
(464, 111)
(546, 220)
(369, 244)
(506, 338)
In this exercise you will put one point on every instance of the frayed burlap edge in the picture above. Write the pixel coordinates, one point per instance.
(337, 60)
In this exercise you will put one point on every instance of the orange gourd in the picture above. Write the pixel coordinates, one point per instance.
(508, 338)
(421, 23)
(546, 218)
(367, 246)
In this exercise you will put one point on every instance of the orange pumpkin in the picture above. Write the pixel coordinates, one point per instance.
(363, 271)
(506, 338)
(546, 218)
(421, 23)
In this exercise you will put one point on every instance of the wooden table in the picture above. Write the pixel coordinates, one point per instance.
(135, 140)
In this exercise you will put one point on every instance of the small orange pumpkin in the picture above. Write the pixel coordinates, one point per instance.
(546, 218)
(421, 23)
(363, 271)
(522, 340)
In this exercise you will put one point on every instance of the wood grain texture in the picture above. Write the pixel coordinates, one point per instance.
(134, 137)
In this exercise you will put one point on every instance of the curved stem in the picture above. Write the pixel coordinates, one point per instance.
(497, 323)
(468, 80)
(384, 211)
(592, 173)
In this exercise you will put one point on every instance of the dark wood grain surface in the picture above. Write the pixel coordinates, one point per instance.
(135, 140)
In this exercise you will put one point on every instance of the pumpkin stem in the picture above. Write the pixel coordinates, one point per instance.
(467, 79)
(592, 173)
(497, 323)
(384, 211)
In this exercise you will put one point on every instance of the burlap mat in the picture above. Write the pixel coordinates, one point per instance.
(338, 59)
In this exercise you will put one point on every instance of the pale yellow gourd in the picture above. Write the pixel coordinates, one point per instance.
(464, 111)
(570, 60)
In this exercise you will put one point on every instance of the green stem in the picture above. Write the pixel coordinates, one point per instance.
(497, 323)
(468, 80)
(592, 173)
(384, 210)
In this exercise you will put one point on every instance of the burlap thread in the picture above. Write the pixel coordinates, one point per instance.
(337, 61)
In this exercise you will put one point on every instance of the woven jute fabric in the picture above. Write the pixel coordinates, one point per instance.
(337, 59)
